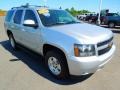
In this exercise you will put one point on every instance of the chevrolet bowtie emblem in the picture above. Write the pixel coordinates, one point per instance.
(110, 45)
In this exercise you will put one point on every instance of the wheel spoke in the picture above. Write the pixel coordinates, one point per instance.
(54, 65)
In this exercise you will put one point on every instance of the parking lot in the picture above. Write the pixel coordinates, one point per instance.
(20, 70)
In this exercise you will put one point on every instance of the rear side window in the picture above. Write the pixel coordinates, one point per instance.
(9, 15)
(18, 16)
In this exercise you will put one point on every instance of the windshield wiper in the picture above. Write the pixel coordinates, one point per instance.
(62, 23)
(72, 22)
(57, 23)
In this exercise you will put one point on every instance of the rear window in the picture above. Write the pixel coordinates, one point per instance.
(9, 15)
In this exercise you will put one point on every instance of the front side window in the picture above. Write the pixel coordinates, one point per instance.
(56, 17)
(18, 16)
(30, 15)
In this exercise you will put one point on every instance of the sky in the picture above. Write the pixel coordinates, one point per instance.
(91, 5)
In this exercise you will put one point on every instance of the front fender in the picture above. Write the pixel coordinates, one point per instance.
(60, 40)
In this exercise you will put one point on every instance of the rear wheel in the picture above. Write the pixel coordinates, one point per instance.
(56, 64)
(12, 42)
(111, 25)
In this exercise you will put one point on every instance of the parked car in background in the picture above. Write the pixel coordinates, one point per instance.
(89, 17)
(111, 19)
(82, 16)
(94, 18)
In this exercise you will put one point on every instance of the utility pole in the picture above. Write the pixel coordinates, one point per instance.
(100, 5)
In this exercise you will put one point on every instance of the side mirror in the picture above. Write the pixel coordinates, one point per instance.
(30, 23)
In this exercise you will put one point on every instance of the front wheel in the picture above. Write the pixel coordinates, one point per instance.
(56, 64)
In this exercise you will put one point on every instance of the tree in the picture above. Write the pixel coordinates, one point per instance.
(2, 12)
(76, 12)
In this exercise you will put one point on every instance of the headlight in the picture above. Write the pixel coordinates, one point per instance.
(81, 50)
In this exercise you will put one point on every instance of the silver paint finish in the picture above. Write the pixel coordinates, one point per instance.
(64, 37)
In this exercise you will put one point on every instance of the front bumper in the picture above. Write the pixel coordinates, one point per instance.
(86, 65)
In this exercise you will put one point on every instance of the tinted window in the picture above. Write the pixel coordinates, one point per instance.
(18, 16)
(30, 15)
(9, 15)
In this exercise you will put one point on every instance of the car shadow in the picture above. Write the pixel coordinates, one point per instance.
(116, 31)
(36, 63)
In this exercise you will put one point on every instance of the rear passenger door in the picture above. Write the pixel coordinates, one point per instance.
(31, 35)
(16, 26)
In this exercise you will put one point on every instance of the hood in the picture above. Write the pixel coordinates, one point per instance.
(85, 32)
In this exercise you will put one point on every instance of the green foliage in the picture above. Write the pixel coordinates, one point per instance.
(77, 12)
(2, 12)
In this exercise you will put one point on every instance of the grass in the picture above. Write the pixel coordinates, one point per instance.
(2, 12)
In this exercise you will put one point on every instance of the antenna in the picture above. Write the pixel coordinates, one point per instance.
(26, 6)
(60, 7)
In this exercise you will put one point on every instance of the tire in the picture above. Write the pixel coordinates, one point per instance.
(111, 25)
(90, 21)
(84, 19)
(12, 42)
(57, 64)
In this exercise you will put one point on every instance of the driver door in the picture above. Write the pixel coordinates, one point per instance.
(31, 35)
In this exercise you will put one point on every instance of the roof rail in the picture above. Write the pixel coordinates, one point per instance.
(27, 6)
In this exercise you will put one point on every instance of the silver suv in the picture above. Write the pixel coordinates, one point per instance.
(70, 47)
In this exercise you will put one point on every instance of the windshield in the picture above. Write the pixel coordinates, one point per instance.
(57, 17)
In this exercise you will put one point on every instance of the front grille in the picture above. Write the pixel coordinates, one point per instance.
(103, 51)
(107, 44)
